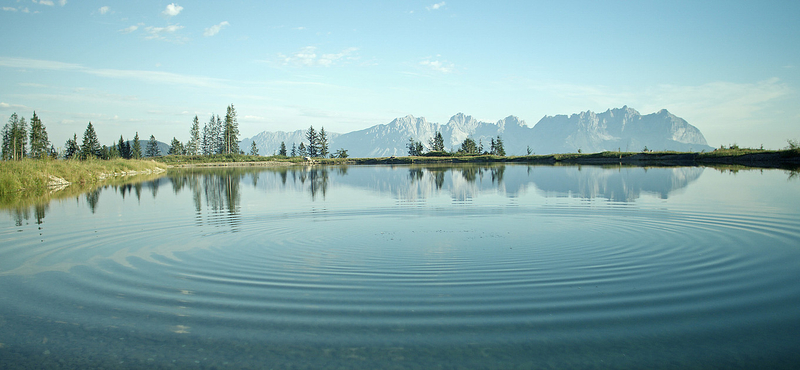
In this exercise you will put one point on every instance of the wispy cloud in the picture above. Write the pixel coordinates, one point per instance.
(139, 75)
(308, 57)
(62, 2)
(172, 10)
(213, 30)
(4, 105)
(437, 65)
(9, 9)
(159, 33)
(131, 28)
(104, 10)
(44, 2)
(436, 6)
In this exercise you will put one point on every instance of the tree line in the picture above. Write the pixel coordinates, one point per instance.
(468, 146)
(218, 137)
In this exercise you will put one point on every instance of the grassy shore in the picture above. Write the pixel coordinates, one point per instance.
(745, 157)
(36, 176)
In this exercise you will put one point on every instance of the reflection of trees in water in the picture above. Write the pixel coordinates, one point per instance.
(21, 214)
(316, 177)
(92, 198)
(219, 188)
(497, 174)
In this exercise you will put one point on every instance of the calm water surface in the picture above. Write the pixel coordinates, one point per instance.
(409, 268)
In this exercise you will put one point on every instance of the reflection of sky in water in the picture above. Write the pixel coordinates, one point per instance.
(494, 260)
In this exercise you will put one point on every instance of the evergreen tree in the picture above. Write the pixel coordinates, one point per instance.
(123, 148)
(469, 147)
(15, 138)
(152, 148)
(437, 142)
(294, 150)
(341, 153)
(90, 148)
(282, 150)
(193, 146)
(414, 147)
(253, 148)
(40, 144)
(301, 151)
(217, 132)
(230, 133)
(176, 147)
(208, 140)
(8, 137)
(136, 148)
(71, 149)
(498, 147)
(322, 143)
(311, 136)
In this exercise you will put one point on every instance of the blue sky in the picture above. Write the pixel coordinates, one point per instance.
(731, 68)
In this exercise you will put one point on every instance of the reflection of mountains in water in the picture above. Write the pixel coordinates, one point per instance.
(465, 182)
(622, 184)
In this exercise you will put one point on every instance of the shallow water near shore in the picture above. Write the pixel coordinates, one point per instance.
(409, 267)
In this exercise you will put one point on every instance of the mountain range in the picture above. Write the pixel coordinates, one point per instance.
(622, 129)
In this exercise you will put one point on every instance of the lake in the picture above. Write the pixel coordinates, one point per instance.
(409, 267)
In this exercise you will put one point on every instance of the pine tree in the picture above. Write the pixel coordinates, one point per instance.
(8, 137)
(468, 146)
(15, 138)
(71, 149)
(152, 148)
(90, 148)
(123, 148)
(322, 143)
(282, 150)
(437, 142)
(136, 148)
(294, 150)
(40, 144)
(193, 146)
(414, 147)
(176, 147)
(253, 148)
(341, 153)
(217, 136)
(208, 137)
(301, 151)
(498, 147)
(230, 133)
(311, 136)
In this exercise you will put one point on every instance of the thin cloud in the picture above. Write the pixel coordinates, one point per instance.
(439, 66)
(436, 6)
(139, 75)
(9, 9)
(159, 33)
(213, 30)
(308, 57)
(44, 2)
(103, 10)
(62, 2)
(4, 105)
(129, 29)
(172, 10)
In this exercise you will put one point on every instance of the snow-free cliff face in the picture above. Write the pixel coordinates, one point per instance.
(615, 129)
